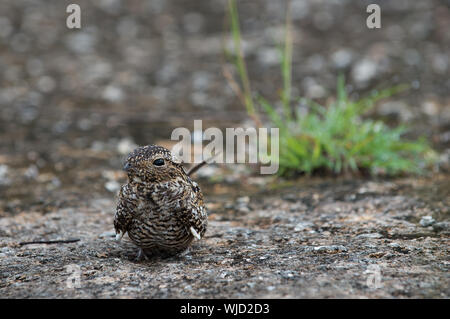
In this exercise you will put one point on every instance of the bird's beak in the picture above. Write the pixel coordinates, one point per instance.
(127, 167)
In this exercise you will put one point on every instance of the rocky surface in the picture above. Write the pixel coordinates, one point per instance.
(136, 71)
(73, 103)
(314, 239)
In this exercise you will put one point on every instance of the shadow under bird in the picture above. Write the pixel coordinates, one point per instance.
(160, 207)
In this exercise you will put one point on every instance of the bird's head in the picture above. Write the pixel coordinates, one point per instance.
(152, 164)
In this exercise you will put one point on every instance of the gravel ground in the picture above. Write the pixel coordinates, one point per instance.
(73, 103)
(317, 239)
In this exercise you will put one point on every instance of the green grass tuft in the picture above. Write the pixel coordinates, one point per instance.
(335, 138)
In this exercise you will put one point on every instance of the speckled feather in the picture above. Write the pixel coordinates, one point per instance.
(160, 207)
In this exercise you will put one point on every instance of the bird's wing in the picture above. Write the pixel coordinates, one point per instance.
(124, 212)
(197, 217)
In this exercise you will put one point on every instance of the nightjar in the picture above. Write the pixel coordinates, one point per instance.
(160, 207)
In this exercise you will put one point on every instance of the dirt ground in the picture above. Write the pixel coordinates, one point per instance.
(314, 239)
(73, 103)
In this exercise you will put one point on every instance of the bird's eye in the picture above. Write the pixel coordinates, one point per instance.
(158, 162)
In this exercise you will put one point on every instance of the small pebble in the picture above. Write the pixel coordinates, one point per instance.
(441, 226)
(4, 175)
(426, 221)
(107, 234)
(302, 226)
(125, 146)
(371, 235)
(331, 249)
(112, 186)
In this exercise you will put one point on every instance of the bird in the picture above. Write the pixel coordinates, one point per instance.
(160, 207)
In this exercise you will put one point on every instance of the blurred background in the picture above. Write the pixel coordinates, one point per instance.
(74, 102)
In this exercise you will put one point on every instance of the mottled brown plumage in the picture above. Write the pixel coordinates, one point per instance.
(160, 207)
